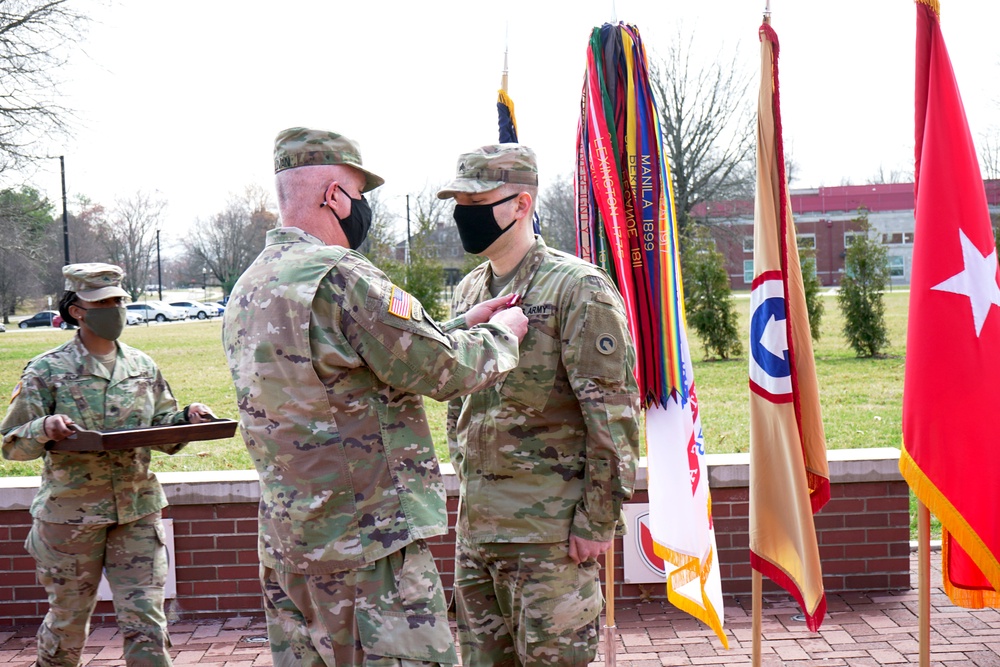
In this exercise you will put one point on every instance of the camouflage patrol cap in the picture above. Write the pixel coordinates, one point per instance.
(302, 147)
(94, 281)
(489, 167)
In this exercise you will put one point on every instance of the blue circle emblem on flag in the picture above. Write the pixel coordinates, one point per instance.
(770, 367)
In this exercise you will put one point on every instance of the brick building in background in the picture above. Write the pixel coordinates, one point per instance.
(826, 219)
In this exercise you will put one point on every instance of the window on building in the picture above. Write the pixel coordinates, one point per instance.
(806, 241)
(850, 236)
(747, 244)
(907, 237)
(896, 267)
(748, 271)
(892, 238)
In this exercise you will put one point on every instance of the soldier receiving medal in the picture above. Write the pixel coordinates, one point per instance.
(546, 459)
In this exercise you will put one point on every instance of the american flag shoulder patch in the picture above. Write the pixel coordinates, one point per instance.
(17, 391)
(401, 303)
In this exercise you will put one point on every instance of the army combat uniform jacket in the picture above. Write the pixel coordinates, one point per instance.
(553, 449)
(90, 487)
(329, 359)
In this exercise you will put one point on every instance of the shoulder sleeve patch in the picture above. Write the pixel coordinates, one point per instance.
(17, 391)
(400, 304)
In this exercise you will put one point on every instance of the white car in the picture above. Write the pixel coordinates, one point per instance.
(196, 309)
(156, 310)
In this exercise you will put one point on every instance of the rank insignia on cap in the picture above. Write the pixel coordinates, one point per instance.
(401, 303)
(17, 391)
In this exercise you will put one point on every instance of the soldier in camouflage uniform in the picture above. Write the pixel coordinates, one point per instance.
(95, 509)
(546, 458)
(329, 359)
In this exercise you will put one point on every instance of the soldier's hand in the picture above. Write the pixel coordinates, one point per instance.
(59, 427)
(483, 311)
(199, 412)
(581, 550)
(514, 319)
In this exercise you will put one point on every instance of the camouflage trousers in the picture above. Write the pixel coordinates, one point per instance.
(69, 559)
(390, 613)
(526, 604)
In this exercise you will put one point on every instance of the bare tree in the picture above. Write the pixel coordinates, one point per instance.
(891, 176)
(989, 153)
(129, 238)
(557, 213)
(26, 226)
(228, 243)
(707, 118)
(380, 245)
(34, 35)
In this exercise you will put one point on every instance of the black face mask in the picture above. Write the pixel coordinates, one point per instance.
(477, 226)
(357, 223)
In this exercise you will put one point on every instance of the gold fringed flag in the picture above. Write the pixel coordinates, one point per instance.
(789, 476)
(626, 224)
(951, 426)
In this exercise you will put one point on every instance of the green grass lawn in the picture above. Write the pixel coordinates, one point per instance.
(861, 399)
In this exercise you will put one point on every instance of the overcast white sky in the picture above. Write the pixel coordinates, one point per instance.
(185, 97)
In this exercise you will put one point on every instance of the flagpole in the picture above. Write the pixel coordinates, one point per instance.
(757, 583)
(610, 644)
(757, 587)
(924, 581)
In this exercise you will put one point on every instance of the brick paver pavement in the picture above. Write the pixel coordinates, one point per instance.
(859, 631)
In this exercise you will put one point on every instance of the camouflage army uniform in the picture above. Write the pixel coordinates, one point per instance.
(328, 366)
(95, 509)
(549, 452)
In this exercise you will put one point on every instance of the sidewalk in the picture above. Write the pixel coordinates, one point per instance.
(859, 631)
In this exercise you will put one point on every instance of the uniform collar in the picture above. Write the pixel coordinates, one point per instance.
(525, 272)
(290, 235)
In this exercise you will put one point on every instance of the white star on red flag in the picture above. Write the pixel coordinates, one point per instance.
(978, 281)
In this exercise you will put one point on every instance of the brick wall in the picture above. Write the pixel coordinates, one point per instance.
(863, 534)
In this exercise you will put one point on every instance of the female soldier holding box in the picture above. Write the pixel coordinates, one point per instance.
(96, 509)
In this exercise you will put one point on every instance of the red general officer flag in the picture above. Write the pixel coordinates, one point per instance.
(951, 425)
(789, 476)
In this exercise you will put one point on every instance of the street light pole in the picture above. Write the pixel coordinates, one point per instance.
(159, 272)
(62, 170)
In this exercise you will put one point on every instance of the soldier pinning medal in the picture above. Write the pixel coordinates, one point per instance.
(329, 360)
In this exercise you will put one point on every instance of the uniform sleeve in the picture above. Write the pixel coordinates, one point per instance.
(23, 426)
(454, 405)
(599, 356)
(406, 349)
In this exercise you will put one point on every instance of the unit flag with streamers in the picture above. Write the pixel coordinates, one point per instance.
(626, 225)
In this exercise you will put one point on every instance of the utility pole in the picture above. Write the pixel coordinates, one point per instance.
(159, 272)
(407, 230)
(62, 169)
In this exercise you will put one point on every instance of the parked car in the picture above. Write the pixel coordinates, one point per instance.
(2, 327)
(156, 310)
(196, 309)
(131, 318)
(58, 321)
(40, 319)
(220, 305)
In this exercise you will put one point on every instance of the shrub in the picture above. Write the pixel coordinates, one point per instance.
(866, 276)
